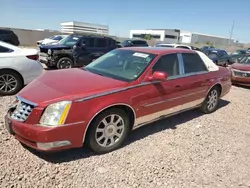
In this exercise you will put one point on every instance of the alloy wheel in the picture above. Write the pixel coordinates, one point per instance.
(65, 64)
(8, 83)
(212, 100)
(110, 130)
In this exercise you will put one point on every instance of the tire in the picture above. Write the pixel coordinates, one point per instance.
(14, 80)
(64, 63)
(108, 133)
(211, 102)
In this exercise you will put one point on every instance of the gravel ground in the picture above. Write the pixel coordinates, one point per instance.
(188, 150)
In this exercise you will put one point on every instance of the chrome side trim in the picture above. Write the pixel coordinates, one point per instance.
(117, 104)
(171, 99)
(141, 121)
(113, 91)
(26, 101)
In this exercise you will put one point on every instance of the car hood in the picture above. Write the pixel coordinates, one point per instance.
(67, 84)
(239, 66)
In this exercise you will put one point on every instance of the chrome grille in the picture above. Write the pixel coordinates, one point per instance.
(22, 111)
(241, 74)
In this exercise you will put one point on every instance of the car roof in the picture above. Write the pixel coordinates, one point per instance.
(157, 50)
(90, 36)
(135, 40)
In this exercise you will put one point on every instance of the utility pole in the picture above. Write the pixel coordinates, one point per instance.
(231, 33)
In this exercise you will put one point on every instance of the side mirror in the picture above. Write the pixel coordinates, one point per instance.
(158, 75)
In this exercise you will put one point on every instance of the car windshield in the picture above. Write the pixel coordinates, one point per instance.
(124, 65)
(69, 40)
(245, 60)
(212, 55)
(127, 43)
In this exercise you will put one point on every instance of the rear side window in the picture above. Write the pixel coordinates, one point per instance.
(100, 43)
(193, 63)
(4, 50)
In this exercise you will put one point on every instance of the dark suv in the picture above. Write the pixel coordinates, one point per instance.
(9, 36)
(76, 50)
(135, 43)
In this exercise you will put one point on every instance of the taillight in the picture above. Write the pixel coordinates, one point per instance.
(33, 57)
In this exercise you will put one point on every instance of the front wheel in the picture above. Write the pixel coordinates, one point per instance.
(211, 102)
(64, 63)
(108, 131)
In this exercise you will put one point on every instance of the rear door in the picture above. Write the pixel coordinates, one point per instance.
(195, 80)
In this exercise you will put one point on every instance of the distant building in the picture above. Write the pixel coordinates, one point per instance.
(180, 36)
(82, 27)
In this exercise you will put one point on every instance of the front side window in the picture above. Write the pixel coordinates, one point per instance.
(169, 64)
(193, 63)
(100, 43)
(125, 65)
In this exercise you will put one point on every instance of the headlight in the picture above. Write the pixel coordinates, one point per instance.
(55, 114)
(49, 52)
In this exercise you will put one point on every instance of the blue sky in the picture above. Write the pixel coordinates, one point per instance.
(213, 17)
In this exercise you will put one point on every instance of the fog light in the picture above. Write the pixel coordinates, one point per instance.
(51, 145)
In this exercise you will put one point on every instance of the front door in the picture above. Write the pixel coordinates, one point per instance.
(160, 98)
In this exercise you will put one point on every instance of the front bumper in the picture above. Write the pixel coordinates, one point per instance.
(47, 139)
(240, 77)
(241, 81)
(47, 60)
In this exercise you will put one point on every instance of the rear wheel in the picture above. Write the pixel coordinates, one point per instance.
(211, 102)
(64, 63)
(10, 82)
(108, 131)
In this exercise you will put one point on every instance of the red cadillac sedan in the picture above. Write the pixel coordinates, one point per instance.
(241, 71)
(120, 91)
